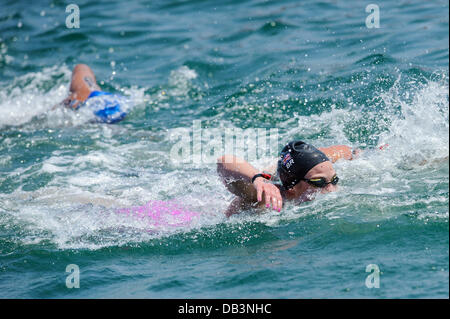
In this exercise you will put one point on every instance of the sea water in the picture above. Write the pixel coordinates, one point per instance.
(310, 70)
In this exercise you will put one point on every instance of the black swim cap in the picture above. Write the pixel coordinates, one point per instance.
(296, 159)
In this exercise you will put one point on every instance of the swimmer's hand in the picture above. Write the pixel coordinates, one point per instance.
(58, 105)
(270, 192)
(69, 102)
(237, 176)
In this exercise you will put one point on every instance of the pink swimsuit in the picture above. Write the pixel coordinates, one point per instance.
(161, 213)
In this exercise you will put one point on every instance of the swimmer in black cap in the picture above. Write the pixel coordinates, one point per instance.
(302, 171)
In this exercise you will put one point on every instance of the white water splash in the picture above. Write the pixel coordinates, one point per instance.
(73, 210)
(37, 96)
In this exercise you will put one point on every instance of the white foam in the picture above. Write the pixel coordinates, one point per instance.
(38, 94)
(180, 82)
(420, 133)
(75, 209)
(26, 97)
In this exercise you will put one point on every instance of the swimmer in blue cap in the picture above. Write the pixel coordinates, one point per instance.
(85, 92)
(301, 172)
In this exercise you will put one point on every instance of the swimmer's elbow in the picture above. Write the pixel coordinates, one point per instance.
(221, 167)
(221, 159)
(226, 159)
(230, 160)
(220, 163)
(227, 162)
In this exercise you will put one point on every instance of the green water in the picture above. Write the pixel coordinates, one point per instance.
(309, 70)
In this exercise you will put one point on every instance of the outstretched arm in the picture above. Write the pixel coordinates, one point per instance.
(237, 176)
(337, 152)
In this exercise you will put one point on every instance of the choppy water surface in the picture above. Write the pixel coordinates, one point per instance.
(310, 69)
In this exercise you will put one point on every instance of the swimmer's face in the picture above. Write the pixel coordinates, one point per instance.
(324, 170)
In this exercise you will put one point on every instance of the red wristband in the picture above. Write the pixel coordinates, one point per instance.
(266, 176)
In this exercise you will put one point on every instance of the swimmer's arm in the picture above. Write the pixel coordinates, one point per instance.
(70, 102)
(237, 176)
(64, 102)
(336, 152)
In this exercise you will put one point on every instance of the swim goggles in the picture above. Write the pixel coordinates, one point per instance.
(321, 182)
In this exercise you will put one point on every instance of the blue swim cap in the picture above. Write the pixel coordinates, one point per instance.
(107, 108)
